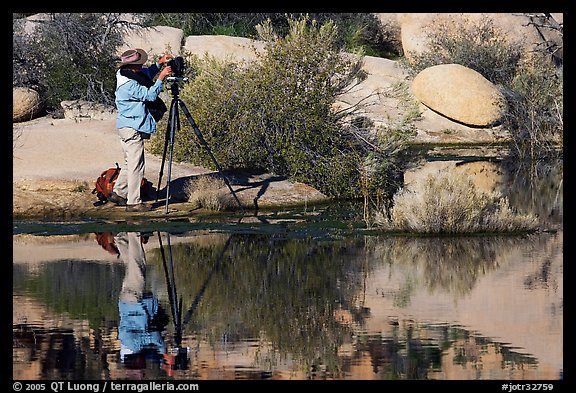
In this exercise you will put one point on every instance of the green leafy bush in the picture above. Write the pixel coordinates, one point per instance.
(213, 23)
(361, 33)
(276, 114)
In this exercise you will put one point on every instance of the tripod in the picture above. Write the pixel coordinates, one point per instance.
(173, 126)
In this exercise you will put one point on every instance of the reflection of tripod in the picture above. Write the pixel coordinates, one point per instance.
(173, 126)
(181, 357)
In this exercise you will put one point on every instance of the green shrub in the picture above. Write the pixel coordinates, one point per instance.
(276, 114)
(360, 33)
(193, 23)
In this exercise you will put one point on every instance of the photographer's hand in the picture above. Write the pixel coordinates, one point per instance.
(165, 72)
(166, 58)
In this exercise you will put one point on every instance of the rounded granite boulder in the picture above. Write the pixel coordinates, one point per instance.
(460, 94)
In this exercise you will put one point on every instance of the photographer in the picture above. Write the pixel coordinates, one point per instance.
(139, 108)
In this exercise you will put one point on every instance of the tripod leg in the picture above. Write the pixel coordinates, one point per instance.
(175, 121)
(205, 144)
(166, 140)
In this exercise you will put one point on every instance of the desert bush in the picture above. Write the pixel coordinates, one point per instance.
(536, 107)
(209, 192)
(362, 33)
(357, 32)
(479, 45)
(449, 202)
(68, 56)
(381, 174)
(213, 23)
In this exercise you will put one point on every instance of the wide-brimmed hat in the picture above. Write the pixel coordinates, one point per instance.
(133, 56)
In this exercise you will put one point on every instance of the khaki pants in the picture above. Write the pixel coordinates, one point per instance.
(132, 253)
(128, 183)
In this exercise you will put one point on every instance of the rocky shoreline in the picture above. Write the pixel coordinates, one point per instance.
(56, 161)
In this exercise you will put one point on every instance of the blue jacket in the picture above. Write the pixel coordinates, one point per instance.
(130, 97)
(134, 331)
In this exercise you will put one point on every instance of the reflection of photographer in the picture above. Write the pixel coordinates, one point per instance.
(142, 320)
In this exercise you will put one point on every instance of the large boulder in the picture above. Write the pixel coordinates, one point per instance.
(224, 47)
(155, 40)
(375, 93)
(30, 23)
(522, 30)
(26, 104)
(459, 93)
(413, 33)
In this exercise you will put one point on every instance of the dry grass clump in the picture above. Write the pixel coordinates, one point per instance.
(449, 202)
(209, 192)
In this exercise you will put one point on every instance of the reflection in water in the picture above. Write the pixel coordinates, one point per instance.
(141, 318)
(421, 351)
(536, 187)
(238, 306)
(448, 264)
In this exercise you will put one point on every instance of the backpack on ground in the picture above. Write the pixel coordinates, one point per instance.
(104, 185)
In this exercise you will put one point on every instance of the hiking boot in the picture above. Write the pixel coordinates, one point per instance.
(141, 207)
(117, 199)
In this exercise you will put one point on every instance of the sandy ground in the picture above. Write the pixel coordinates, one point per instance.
(55, 163)
(75, 150)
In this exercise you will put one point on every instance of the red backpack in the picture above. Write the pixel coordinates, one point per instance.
(106, 240)
(104, 185)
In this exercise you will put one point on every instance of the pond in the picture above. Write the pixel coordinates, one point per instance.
(302, 294)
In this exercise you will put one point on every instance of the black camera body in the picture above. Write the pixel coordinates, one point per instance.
(178, 67)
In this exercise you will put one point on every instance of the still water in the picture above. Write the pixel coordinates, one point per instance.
(287, 297)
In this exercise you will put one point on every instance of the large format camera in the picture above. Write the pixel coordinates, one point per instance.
(178, 66)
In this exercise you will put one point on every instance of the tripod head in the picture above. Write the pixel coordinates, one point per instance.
(174, 88)
(177, 79)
